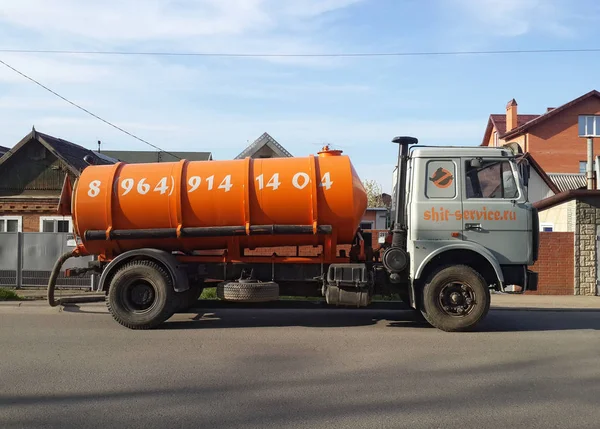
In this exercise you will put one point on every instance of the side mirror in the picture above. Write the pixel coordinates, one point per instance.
(525, 168)
(476, 163)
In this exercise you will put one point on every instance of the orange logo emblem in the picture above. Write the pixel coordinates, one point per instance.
(442, 178)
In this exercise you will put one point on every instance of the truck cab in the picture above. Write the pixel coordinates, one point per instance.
(465, 216)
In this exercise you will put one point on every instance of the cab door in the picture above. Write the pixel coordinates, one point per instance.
(436, 202)
(494, 212)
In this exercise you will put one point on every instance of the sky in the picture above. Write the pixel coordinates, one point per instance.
(221, 104)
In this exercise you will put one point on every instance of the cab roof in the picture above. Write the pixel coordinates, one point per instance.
(459, 151)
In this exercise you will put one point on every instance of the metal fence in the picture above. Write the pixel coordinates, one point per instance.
(27, 258)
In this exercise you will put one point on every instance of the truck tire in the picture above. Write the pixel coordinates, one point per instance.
(455, 298)
(248, 292)
(141, 295)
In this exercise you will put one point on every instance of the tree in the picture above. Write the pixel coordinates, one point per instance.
(374, 194)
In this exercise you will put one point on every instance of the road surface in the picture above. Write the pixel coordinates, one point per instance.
(297, 369)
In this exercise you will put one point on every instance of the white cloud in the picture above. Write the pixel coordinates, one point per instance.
(142, 20)
(510, 18)
(52, 70)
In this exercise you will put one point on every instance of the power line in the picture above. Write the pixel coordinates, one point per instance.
(85, 110)
(267, 55)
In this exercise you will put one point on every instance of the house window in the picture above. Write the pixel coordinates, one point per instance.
(11, 224)
(582, 166)
(589, 126)
(55, 224)
(366, 225)
(546, 227)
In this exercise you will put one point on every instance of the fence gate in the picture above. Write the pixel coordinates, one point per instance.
(26, 260)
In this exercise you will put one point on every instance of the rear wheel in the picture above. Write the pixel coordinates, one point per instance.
(141, 295)
(455, 298)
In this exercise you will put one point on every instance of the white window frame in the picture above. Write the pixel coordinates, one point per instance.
(19, 219)
(43, 218)
(546, 225)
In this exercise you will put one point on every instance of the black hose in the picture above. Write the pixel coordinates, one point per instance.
(54, 275)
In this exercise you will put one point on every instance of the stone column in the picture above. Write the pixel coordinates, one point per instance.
(588, 217)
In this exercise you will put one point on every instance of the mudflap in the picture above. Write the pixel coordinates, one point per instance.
(527, 282)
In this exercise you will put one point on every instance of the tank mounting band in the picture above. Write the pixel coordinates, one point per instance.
(217, 231)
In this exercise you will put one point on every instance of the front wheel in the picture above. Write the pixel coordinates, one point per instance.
(455, 298)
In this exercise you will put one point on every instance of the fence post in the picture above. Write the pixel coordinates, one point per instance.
(19, 260)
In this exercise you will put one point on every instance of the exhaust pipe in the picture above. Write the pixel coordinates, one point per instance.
(395, 258)
(399, 229)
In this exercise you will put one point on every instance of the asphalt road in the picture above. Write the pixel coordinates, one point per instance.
(298, 369)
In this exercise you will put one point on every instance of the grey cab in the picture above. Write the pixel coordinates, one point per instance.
(464, 226)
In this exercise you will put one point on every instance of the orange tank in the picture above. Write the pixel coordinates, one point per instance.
(201, 205)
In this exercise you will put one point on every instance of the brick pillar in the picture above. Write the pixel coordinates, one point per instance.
(588, 217)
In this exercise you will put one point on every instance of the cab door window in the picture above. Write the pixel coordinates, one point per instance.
(490, 179)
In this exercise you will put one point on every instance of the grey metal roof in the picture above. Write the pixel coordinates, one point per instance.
(3, 150)
(263, 140)
(143, 157)
(71, 153)
(567, 181)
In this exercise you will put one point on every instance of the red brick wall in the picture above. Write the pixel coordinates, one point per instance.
(555, 264)
(30, 211)
(555, 144)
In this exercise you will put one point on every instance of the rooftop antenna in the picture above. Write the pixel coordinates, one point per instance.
(99, 144)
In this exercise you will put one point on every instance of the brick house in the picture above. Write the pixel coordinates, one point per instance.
(32, 174)
(552, 137)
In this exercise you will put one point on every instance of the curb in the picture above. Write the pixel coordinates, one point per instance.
(547, 309)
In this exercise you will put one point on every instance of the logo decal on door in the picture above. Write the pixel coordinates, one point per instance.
(442, 178)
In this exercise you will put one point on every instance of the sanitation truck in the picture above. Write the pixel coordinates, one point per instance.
(461, 226)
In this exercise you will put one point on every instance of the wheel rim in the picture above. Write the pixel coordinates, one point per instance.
(139, 296)
(457, 299)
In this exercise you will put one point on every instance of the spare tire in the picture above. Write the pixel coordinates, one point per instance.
(248, 291)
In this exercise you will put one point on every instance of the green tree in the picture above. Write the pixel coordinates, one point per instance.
(374, 193)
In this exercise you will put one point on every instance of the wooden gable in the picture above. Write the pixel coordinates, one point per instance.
(32, 171)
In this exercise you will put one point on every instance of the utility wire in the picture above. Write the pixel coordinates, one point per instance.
(266, 55)
(85, 110)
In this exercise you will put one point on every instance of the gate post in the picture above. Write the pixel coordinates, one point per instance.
(19, 260)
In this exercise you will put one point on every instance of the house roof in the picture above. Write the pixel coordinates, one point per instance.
(264, 140)
(70, 153)
(565, 197)
(498, 121)
(3, 150)
(549, 114)
(142, 157)
(567, 181)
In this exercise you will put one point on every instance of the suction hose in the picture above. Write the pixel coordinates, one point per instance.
(54, 275)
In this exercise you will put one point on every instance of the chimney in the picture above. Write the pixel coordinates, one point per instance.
(511, 115)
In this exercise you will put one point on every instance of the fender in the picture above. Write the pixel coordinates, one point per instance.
(473, 247)
(180, 278)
